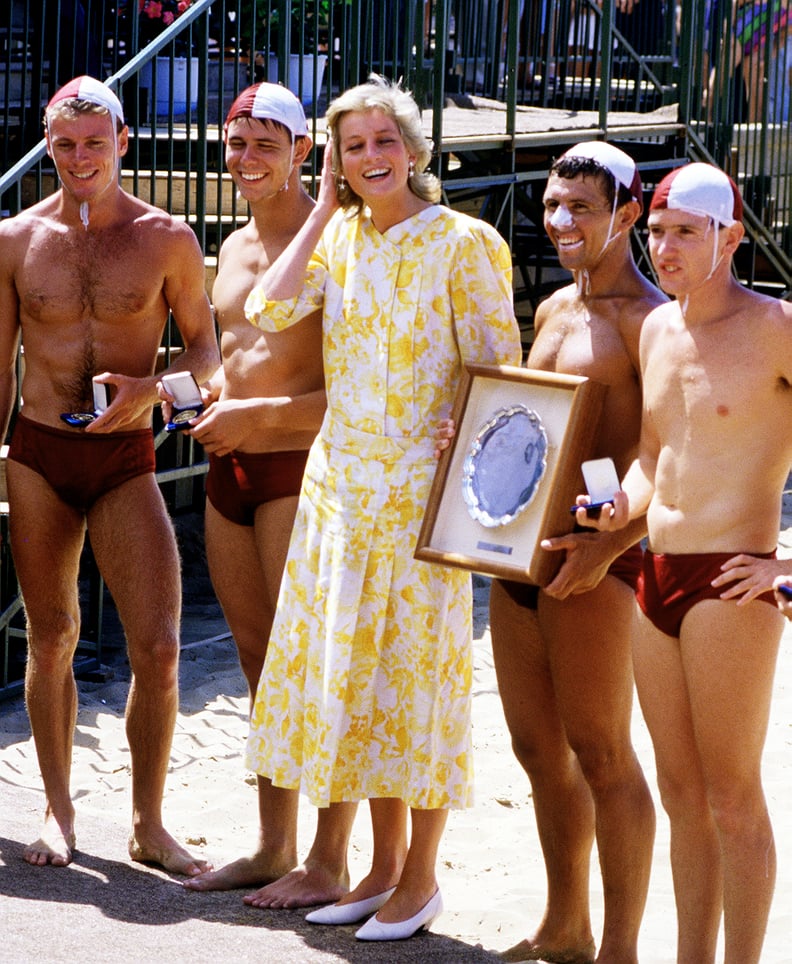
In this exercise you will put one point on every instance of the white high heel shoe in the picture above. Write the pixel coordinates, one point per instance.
(348, 913)
(376, 930)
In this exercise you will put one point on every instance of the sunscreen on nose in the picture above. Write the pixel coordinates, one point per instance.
(561, 218)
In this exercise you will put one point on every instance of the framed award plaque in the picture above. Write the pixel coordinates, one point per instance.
(512, 471)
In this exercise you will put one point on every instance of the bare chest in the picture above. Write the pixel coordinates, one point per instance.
(269, 363)
(243, 346)
(70, 278)
(579, 345)
(234, 282)
(705, 387)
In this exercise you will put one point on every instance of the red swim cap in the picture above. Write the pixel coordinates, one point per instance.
(700, 189)
(270, 102)
(91, 90)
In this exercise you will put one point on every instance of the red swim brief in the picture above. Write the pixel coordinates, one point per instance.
(671, 585)
(79, 467)
(238, 483)
(626, 567)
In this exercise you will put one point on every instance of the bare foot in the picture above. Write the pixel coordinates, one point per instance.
(54, 847)
(404, 903)
(305, 886)
(245, 872)
(368, 887)
(532, 950)
(158, 847)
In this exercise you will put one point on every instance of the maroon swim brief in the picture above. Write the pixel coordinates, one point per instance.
(671, 585)
(626, 567)
(238, 483)
(79, 467)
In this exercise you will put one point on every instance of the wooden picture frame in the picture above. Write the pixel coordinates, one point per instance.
(510, 412)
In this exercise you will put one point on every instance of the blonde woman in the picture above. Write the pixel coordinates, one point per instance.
(365, 692)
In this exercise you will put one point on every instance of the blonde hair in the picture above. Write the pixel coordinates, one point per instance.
(392, 99)
(72, 107)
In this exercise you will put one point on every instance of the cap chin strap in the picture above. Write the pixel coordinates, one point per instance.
(563, 219)
(84, 207)
(611, 236)
(583, 278)
(285, 185)
(683, 304)
(291, 168)
(715, 259)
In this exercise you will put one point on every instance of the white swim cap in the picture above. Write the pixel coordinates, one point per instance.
(91, 90)
(270, 102)
(618, 164)
(701, 189)
(623, 170)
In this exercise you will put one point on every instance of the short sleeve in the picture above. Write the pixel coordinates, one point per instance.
(276, 315)
(483, 300)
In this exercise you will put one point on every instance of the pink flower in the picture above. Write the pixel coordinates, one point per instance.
(153, 10)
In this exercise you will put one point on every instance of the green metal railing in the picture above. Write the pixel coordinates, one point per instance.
(737, 108)
(565, 58)
(574, 57)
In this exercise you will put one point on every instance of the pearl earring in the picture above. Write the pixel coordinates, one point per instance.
(411, 168)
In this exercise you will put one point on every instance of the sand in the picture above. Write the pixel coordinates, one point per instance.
(491, 870)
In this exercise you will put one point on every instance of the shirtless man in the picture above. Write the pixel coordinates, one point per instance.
(87, 277)
(264, 407)
(562, 654)
(717, 384)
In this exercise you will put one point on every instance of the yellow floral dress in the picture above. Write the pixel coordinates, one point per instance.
(366, 687)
